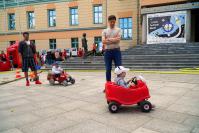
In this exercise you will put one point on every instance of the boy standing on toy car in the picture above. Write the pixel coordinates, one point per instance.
(57, 70)
(120, 71)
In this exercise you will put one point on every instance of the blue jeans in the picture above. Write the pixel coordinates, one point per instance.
(109, 56)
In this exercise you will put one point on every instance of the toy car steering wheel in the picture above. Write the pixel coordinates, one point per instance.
(134, 80)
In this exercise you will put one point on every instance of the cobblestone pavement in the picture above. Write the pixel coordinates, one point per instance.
(82, 108)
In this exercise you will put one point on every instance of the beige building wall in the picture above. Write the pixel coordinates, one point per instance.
(61, 43)
(120, 8)
(159, 2)
(125, 8)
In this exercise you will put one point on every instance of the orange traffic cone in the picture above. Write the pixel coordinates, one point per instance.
(32, 76)
(18, 73)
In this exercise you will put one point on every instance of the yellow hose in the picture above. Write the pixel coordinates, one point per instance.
(180, 71)
(194, 71)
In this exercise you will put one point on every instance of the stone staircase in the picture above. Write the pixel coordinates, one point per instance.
(145, 57)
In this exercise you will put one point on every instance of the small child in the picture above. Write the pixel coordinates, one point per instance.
(57, 70)
(120, 71)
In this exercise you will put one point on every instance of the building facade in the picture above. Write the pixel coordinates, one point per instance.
(59, 24)
(170, 21)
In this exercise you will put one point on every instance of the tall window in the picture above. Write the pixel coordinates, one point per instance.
(31, 20)
(97, 14)
(51, 18)
(126, 26)
(74, 16)
(74, 43)
(52, 44)
(11, 21)
(98, 40)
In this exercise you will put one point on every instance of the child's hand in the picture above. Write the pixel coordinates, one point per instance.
(131, 84)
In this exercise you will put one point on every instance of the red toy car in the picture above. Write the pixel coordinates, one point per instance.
(137, 94)
(63, 79)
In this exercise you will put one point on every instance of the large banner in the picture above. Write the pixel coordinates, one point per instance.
(168, 27)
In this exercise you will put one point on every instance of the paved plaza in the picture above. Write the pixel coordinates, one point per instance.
(82, 108)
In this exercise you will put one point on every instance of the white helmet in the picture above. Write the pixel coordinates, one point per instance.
(120, 69)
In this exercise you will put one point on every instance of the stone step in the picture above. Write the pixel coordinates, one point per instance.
(135, 64)
(136, 61)
(158, 56)
(159, 52)
(141, 59)
(131, 67)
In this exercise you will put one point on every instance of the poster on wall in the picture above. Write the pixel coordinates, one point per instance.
(168, 27)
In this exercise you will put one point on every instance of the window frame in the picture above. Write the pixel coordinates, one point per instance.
(128, 27)
(97, 12)
(54, 43)
(9, 21)
(49, 18)
(76, 43)
(28, 19)
(97, 40)
(76, 22)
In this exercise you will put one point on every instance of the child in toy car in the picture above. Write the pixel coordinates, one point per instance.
(56, 70)
(58, 75)
(117, 94)
(120, 71)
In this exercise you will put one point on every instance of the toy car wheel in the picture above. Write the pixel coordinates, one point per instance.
(65, 83)
(113, 107)
(72, 81)
(52, 81)
(145, 106)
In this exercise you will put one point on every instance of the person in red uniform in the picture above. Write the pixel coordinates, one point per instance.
(80, 52)
(94, 49)
(27, 52)
(3, 56)
(64, 55)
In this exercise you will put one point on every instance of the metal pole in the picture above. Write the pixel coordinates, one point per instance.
(5, 32)
(138, 21)
(106, 11)
(19, 20)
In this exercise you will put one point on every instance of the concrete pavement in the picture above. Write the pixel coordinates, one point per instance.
(7, 76)
(82, 108)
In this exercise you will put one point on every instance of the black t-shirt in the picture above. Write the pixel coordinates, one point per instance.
(84, 42)
(27, 51)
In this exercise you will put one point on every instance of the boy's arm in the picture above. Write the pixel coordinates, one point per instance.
(122, 83)
(60, 69)
(117, 38)
(105, 40)
(129, 80)
(20, 51)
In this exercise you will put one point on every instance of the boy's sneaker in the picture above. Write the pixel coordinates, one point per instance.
(27, 83)
(38, 82)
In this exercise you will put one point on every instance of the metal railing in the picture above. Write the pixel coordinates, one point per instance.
(13, 3)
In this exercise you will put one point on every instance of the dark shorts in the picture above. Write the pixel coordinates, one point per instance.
(28, 63)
